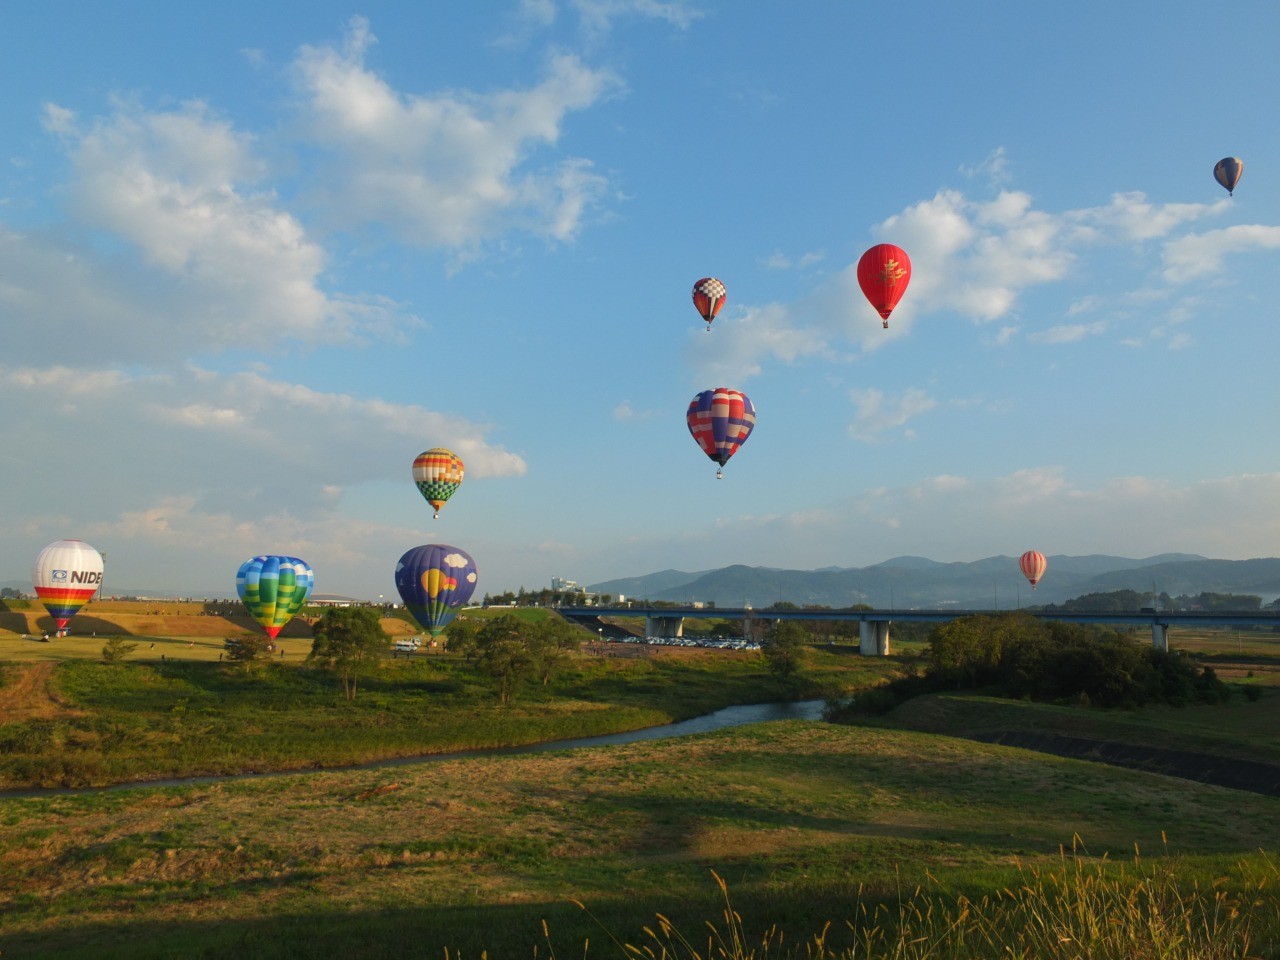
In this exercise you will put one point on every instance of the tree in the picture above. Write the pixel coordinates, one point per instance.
(116, 649)
(552, 643)
(247, 647)
(784, 647)
(348, 642)
(504, 654)
(460, 637)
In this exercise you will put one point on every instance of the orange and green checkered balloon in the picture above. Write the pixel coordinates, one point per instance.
(438, 474)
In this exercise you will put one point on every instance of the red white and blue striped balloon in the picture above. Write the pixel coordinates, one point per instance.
(720, 420)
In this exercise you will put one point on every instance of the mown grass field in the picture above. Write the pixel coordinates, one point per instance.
(807, 823)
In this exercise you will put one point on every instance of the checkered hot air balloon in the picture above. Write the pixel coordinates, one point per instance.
(434, 580)
(708, 297)
(438, 474)
(720, 421)
(66, 575)
(883, 274)
(1033, 566)
(274, 588)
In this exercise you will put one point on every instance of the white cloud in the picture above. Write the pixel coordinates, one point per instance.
(221, 266)
(58, 119)
(1068, 332)
(949, 518)
(995, 168)
(781, 261)
(1132, 217)
(451, 170)
(598, 16)
(737, 350)
(625, 412)
(877, 413)
(975, 258)
(244, 439)
(1200, 254)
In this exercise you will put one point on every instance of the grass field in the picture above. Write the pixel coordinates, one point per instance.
(83, 722)
(906, 834)
(803, 820)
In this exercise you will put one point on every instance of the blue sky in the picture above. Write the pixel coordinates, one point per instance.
(256, 257)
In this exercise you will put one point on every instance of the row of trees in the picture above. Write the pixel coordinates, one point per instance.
(1118, 601)
(545, 598)
(1017, 655)
(350, 644)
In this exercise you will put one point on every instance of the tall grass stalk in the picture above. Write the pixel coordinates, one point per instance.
(1080, 908)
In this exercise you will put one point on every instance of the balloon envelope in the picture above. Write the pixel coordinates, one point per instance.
(720, 420)
(66, 575)
(434, 580)
(274, 588)
(883, 274)
(708, 297)
(1033, 566)
(438, 474)
(1228, 172)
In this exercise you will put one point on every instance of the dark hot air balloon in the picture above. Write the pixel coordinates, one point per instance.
(720, 421)
(434, 580)
(708, 297)
(1227, 172)
(883, 273)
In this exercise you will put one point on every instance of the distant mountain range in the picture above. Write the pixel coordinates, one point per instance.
(979, 584)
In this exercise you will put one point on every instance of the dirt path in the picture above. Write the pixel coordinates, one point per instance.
(27, 694)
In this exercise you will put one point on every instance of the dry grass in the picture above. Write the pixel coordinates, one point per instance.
(28, 694)
(1077, 908)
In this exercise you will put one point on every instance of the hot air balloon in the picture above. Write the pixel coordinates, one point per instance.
(708, 296)
(438, 473)
(883, 273)
(274, 588)
(720, 421)
(1033, 564)
(434, 580)
(66, 575)
(1228, 172)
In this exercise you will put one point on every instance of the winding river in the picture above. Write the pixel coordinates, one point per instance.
(707, 723)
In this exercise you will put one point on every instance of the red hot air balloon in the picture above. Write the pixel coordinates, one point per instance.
(1033, 565)
(1228, 172)
(708, 297)
(720, 420)
(883, 273)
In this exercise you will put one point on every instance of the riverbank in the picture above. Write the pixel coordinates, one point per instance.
(94, 724)
(807, 822)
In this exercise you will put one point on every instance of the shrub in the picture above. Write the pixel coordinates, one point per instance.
(116, 649)
(247, 647)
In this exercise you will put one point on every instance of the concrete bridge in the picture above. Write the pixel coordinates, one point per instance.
(873, 625)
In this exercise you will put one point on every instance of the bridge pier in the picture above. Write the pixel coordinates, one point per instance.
(1160, 636)
(668, 628)
(873, 638)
